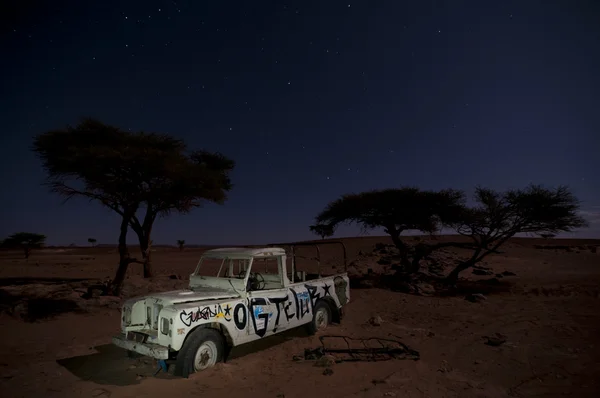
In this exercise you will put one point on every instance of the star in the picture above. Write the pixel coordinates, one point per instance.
(227, 310)
(326, 290)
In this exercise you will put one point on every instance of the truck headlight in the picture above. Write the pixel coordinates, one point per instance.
(149, 316)
(164, 325)
(127, 316)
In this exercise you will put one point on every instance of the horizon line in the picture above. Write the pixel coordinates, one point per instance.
(317, 240)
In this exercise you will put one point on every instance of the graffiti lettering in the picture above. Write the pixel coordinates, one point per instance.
(260, 319)
(240, 323)
(278, 301)
(193, 316)
(314, 295)
(297, 305)
(286, 309)
(304, 307)
(294, 305)
(224, 312)
(205, 313)
(285, 305)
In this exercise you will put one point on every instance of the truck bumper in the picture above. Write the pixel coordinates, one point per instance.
(146, 349)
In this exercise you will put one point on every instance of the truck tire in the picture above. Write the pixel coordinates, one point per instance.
(321, 317)
(202, 349)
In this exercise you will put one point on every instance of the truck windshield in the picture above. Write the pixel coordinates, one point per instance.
(222, 267)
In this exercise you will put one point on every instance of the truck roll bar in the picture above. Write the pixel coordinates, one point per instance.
(316, 245)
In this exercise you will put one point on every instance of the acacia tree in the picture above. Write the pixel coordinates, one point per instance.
(498, 216)
(92, 241)
(181, 184)
(180, 243)
(397, 211)
(323, 230)
(139, 176)
(26, 241)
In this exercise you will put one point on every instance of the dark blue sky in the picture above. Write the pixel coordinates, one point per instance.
(312, 99)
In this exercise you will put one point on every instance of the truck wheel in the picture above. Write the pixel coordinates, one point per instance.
(201, 350)
(321, 317)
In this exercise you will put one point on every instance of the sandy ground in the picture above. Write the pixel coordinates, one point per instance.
(56, 344)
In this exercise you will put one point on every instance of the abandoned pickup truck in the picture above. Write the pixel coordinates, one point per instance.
(235, 296)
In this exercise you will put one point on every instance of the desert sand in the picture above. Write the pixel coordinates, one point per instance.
(57, 344)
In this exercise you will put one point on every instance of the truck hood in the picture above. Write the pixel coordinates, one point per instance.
(186, 296)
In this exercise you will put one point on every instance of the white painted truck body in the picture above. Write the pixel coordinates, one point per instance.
(157, 325)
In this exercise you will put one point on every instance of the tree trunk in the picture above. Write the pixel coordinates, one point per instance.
(27, 253)
(452, 277)
(143, 232)
(146, 248)
(124, 259)
(476, 257)
(402, 248)
(421, 251)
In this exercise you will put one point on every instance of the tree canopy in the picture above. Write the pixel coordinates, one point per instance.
(132, 173)
(495, 218)
(396, 211)
(498, 216)
(26, 241)
(323, 230)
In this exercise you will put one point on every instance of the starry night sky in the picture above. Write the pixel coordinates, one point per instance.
(312, 99)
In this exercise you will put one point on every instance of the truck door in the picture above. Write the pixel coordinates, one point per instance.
(264, 304)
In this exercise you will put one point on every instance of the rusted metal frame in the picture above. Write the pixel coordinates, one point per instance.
(318, 258)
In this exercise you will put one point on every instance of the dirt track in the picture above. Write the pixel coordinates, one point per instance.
(548, 313)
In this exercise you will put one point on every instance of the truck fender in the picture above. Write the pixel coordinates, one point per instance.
(335, 311)
(218, 327)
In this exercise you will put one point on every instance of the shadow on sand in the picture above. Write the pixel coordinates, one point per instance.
(32, 309)
(19, 281)
(110, 365)
(462, 287)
